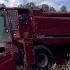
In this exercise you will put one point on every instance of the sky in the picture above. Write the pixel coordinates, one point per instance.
(55, 3)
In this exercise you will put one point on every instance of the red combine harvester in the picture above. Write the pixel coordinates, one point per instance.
(40, 38)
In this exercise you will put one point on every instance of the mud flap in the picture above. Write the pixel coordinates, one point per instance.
(29, 51)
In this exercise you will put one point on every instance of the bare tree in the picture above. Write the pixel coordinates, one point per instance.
(30, 5)
(52, 9)
(20, 6)
(45, 8)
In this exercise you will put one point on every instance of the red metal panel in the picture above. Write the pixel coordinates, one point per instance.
(52, 26)
(29, 52)
(53, 41)
(7, 62)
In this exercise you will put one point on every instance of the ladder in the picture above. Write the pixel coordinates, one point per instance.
(29, 57)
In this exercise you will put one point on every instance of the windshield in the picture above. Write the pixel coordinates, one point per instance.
(4, 36)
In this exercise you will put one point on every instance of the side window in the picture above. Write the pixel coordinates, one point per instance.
(23, 18)
(13, 19)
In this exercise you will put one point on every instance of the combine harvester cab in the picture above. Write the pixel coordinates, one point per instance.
(41, 38)
(7, 58)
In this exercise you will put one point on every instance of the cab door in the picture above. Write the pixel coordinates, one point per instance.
(13, 23)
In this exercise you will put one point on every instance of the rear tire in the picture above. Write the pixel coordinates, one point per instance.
(43, 56)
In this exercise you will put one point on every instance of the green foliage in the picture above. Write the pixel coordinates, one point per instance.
(63, 9)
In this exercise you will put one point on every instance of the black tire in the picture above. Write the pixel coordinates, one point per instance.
(43, 56)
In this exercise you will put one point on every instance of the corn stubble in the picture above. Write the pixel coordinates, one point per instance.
(65, 66)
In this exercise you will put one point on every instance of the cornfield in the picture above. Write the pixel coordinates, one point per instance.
(65, 66)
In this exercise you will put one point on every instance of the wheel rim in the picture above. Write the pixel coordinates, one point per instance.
(42, 60)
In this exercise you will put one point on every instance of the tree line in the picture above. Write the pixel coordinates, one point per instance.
(44, 7)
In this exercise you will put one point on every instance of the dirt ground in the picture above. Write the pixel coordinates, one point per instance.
(19, 68)
(65, 66)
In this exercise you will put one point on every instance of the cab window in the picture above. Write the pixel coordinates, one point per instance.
(13, 19)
